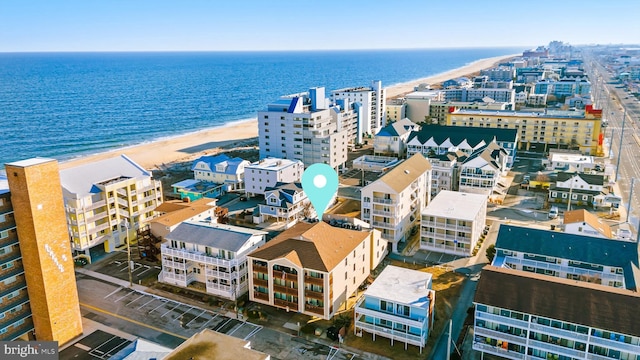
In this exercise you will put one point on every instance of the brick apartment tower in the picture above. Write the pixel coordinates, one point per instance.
(40, 219)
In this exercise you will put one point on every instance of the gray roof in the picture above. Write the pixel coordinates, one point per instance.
(218, 236)
(588, 249)
(588, 178)
(82, 179)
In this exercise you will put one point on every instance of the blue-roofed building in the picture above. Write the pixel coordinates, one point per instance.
(220, 169)
(195, 189)
(286, 202)
(209, 257)
(584, 258)
(391, 139)
(398, 305)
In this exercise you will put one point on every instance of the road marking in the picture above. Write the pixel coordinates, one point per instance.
(255, 331)
(129, 293)
(136, 299)
(132, 321)
(177, 304)
(152, 310)
(144, 271)
(208, 321)
(203, 311)
(138, 308)
(113, 292)
(181, 315)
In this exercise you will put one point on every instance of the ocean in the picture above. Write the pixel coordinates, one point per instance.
(65, 105)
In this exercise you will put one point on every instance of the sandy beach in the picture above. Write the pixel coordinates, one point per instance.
(188, 147)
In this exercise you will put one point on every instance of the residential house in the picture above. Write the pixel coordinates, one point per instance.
(220, 169)
(580, 188)
(313, 268)
(582, 222)
(445, 171)
(213, 345)
(203, 209)
(285, 202)
(439, 140)
(481, 172)
(570, 161)
(391, 139)
(392, 204)
(38, 293)
(592, 259)
(524, 315)
(460, 82)
(266, 173)
(542, 129)
(191, 189)
(303, 127)
(398, 305)
(209, 257)
(106, 201)
(453, 223)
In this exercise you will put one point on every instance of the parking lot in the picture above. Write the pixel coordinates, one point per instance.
(116, 265)
(97, 345)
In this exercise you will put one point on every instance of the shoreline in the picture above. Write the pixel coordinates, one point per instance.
(154, 154)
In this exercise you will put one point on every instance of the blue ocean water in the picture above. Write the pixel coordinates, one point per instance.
(64, 105)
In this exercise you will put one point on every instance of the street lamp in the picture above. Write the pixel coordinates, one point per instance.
(624, 118)
(129, 263)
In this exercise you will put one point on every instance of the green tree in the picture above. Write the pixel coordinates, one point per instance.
(491, 252)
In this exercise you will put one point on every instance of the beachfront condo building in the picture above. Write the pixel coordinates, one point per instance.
(396, 109)
(525, 315)
(398, 305)
(597, 260)
(209, 257)
(453, 223)
(267, 173)
(393, 202)
(482, 94)
(106, 202)
(438, 110)
(540, 130)
(314, 268)
(303, 127)
(370, 104)
(38, 294)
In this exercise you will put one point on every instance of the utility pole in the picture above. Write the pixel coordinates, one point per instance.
(570, 191)
(630, 199)
(624, 118)
(449, 342)
(129, 263)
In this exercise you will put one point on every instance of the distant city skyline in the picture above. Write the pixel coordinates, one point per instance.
(199, 25)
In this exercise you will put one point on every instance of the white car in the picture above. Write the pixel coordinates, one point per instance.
(553, 212)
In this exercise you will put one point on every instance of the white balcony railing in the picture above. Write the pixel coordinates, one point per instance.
(489, 349)
(201, 257)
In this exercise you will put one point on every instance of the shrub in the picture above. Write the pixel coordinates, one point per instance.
(491, 252)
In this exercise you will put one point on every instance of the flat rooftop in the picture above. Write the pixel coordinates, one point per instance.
(30, 162)
(271, 164)
(456, 205)
(574, 158)
(401, 285)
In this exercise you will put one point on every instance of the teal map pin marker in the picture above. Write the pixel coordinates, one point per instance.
(320, 183)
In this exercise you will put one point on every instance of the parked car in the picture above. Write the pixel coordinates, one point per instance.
(332, 333)
(553, 212)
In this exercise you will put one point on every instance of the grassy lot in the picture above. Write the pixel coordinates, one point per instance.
(448, 286)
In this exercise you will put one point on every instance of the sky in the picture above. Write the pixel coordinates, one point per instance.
(246, 25)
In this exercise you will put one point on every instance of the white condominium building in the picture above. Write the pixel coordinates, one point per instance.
(393, 203)
(267, 173)
(370, 104)
(453, 222)
(303, 127)
(105, 198)
(210, 257)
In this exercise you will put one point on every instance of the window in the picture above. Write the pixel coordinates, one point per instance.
(402, 310)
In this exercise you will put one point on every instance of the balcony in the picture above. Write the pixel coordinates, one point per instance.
(6, 206)
(200, 257)
(10, 318)
(378, 200)
(314, 294)
(284, 276)
(220, 289)
(261, 296)
(285, 290)
(615, 345)
(504, 353)
(384, 225)
(16, 269)
(559, 332)
(9, 223)
(313, 280)
(178, 279)
(11, 255)
(398, 335)
(260, 282)
(95, 205)
(383, 213)
(548, 346)
(218, 274)
(174, 264)
(291, 306)
(22, 298)
(493, 334)
(502, 320)
(314, 309)
(260, 269)
(16, 332)
(19, 284)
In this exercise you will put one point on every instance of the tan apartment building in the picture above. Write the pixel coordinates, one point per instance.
(40, 260)
(105, 198)
(540, 130)
(392, 203)
(313, 268)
